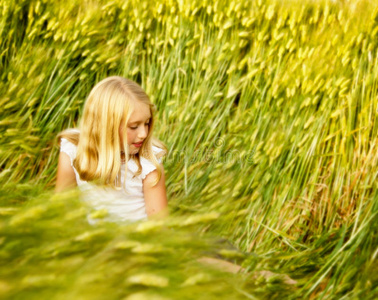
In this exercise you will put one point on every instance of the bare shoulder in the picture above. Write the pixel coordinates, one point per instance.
(66, 177)
(155, 195)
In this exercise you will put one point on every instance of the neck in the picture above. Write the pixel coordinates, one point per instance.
(123, 156)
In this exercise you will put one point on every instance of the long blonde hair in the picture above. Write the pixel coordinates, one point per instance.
(109, 106)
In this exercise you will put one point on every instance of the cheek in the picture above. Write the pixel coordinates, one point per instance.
(130, 136)
(122, 134)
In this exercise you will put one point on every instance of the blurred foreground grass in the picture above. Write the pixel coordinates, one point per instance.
(51, 252)
(269, 110)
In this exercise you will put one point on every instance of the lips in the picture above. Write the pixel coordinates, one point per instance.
(138, 145)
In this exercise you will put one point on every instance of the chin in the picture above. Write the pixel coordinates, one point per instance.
(132, 152)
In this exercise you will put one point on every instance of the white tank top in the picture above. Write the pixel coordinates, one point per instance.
(126, 204)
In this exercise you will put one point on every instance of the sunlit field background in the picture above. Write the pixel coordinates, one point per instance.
(269, 110)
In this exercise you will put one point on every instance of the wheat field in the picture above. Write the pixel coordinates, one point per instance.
(269, 111)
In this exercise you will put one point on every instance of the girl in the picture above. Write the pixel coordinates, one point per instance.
(113, 158)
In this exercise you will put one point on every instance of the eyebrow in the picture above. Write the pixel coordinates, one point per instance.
(137, 122)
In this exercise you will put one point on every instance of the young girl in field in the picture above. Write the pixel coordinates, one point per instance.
(112, 157)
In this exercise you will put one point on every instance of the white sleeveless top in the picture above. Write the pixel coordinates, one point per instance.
(126, 204)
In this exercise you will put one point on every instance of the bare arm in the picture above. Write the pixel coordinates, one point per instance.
(155, 197)
(65, 178)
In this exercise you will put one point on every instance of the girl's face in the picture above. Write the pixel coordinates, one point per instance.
(137, 127)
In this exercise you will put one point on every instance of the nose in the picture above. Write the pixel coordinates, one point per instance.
(143, 132)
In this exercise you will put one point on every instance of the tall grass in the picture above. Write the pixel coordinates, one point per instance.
(268, 109)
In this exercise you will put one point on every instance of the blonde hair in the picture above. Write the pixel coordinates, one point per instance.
(109, 106)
